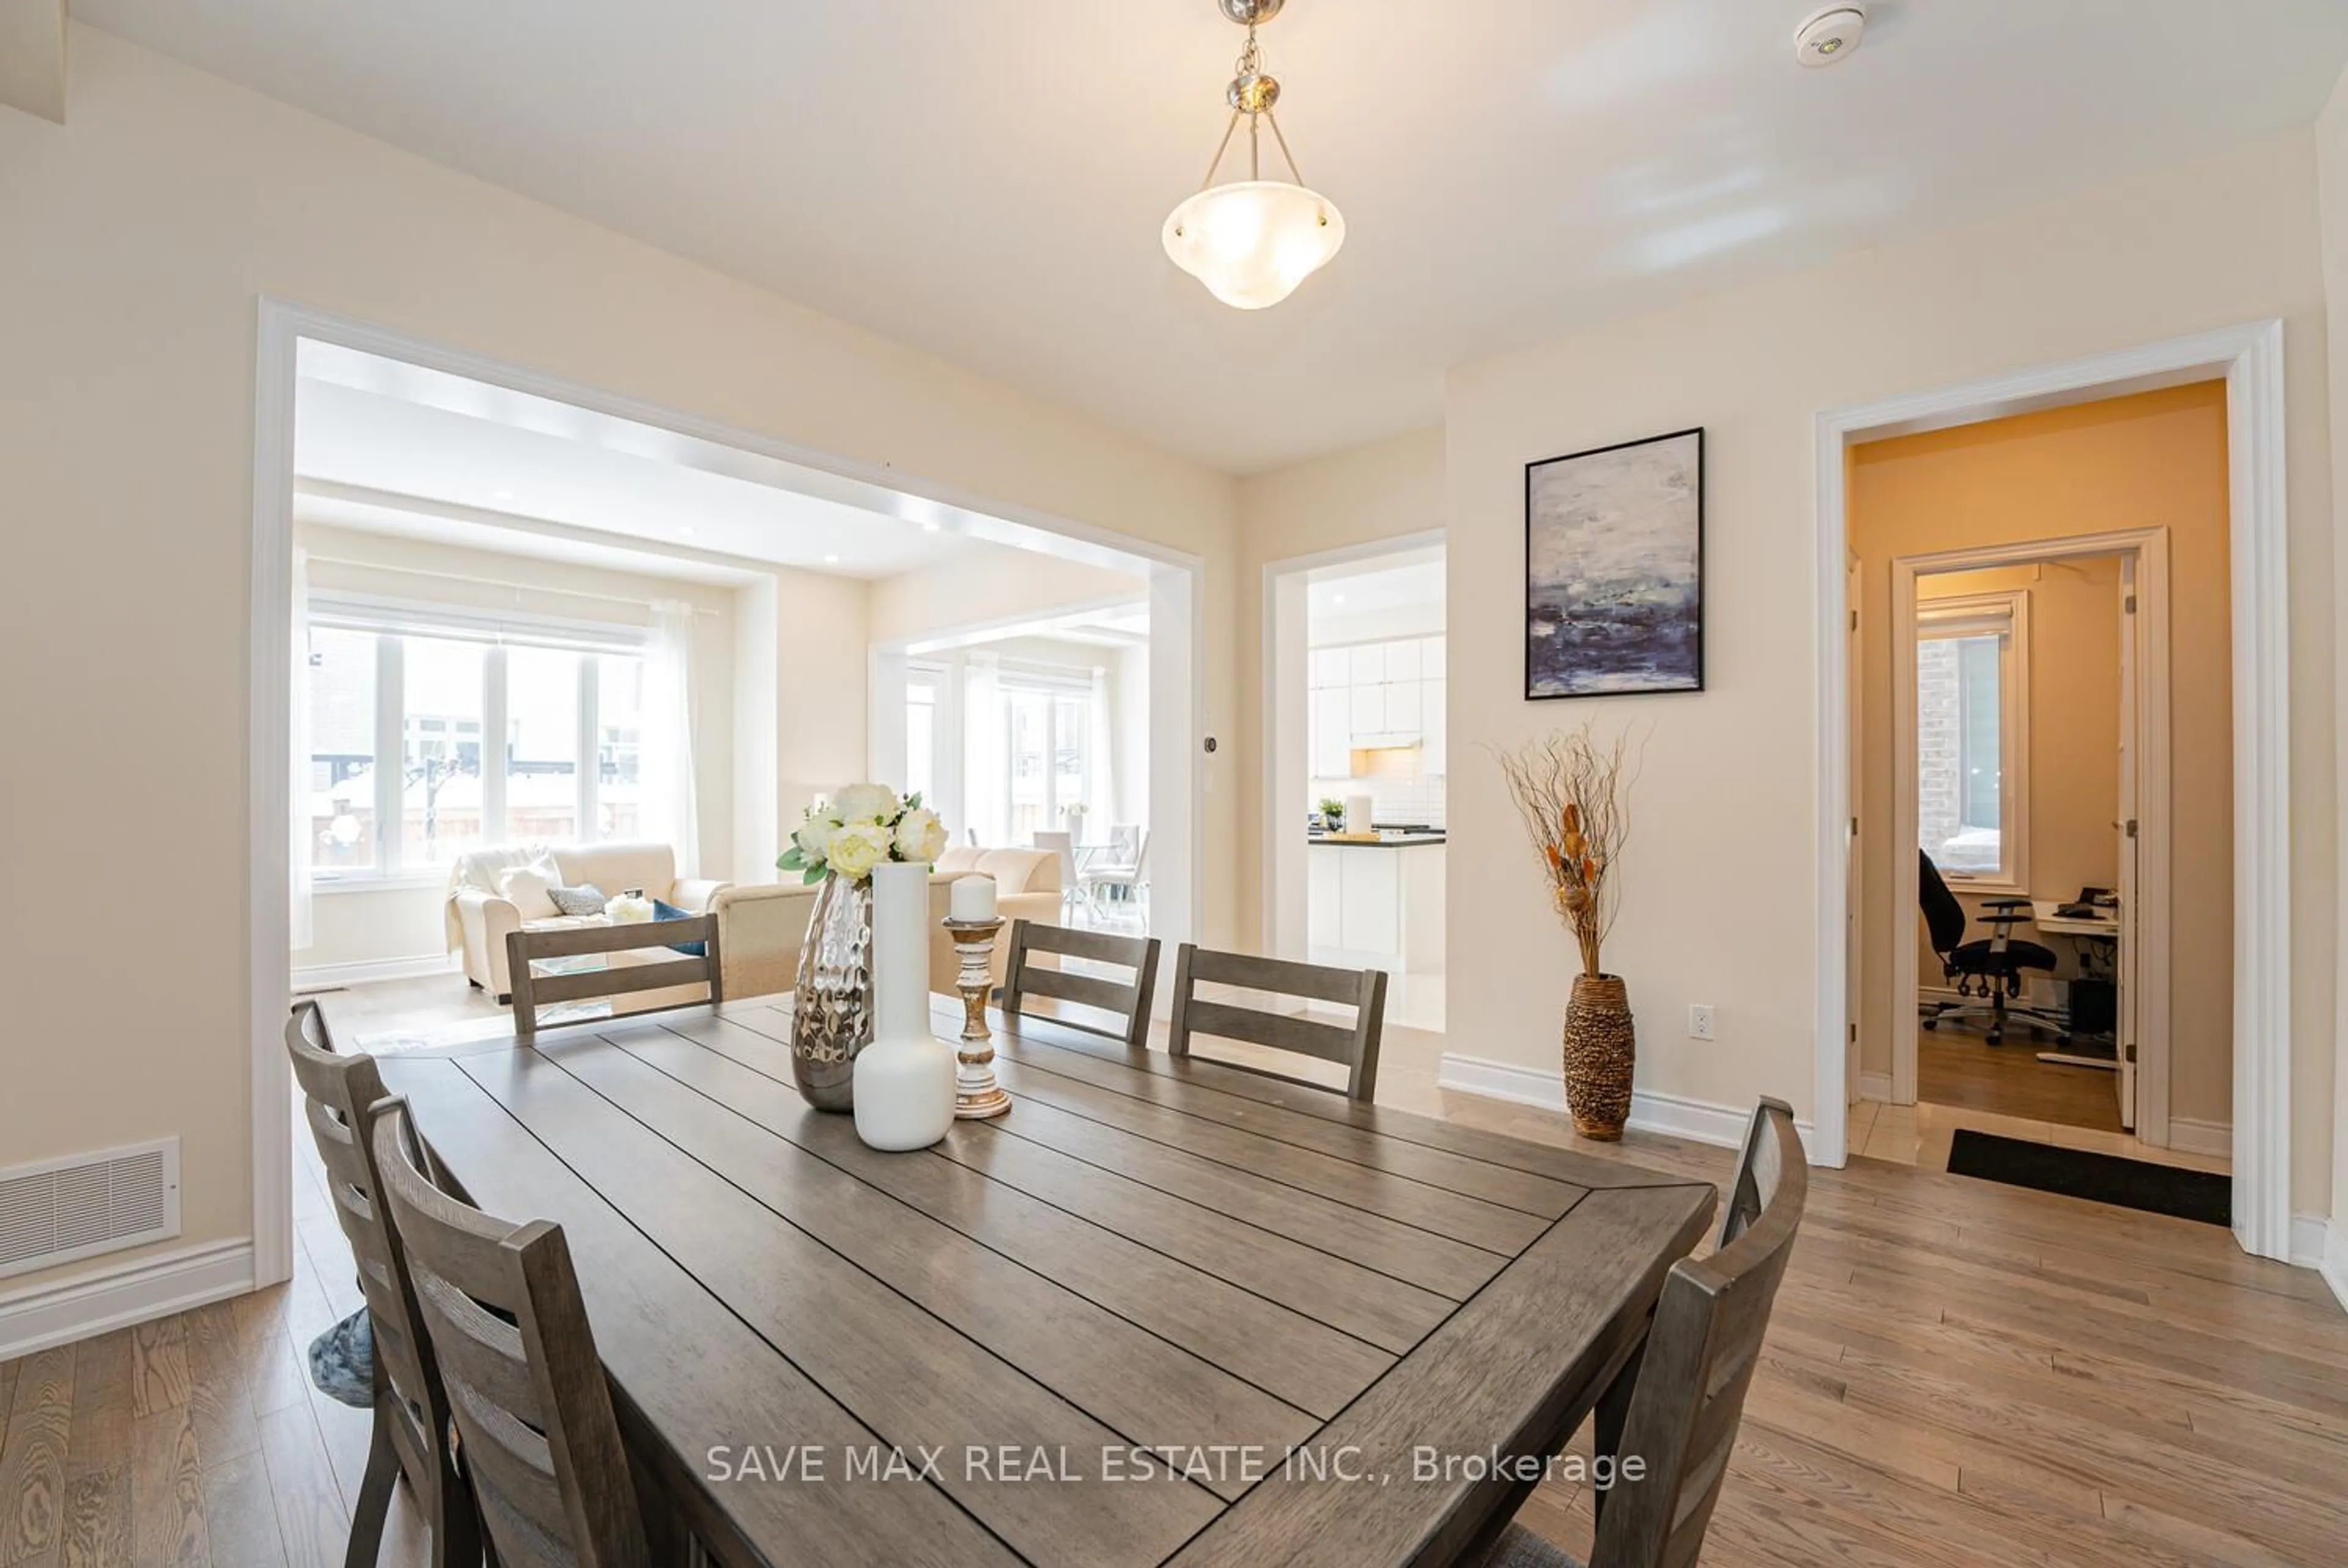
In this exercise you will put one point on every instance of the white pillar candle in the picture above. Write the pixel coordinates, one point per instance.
(971, 897)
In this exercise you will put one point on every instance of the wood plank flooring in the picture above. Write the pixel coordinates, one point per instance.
(1958, 1373)
(1955, 1066)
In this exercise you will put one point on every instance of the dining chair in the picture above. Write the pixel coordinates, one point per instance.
(1355, 1047)
(1127, 999)
(501, 1306)
(1132, 875)
(1063, 845)
(694, 939)
(411, 1408)
(1687, 1383)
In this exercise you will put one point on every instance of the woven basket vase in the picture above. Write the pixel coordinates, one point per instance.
(1599, 1049)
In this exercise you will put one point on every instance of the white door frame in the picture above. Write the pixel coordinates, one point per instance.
(2149, 546)
(2250, 358)
(1178, 593)
(1284, 738)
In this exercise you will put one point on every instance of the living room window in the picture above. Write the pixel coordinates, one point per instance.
(1048, 750)
(499, 731)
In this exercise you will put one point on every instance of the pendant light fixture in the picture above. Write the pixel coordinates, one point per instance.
(1252, 241)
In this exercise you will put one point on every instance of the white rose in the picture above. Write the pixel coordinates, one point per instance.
(814, 837)
(867, 802)
(857, 848)
(920, 835)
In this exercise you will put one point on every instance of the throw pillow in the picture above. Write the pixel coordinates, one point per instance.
(587, 899)
(526, 887)
(665, 910)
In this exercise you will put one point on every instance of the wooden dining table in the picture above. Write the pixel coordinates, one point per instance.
(1164, 1311)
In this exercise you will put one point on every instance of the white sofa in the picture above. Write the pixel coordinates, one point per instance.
(480, 917)
(761, 929)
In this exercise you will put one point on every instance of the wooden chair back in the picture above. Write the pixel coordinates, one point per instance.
(501, 1305)
(1127, 999)
(1355, 1048)
(411, 1407)
(1698, 1361)
(533, 992)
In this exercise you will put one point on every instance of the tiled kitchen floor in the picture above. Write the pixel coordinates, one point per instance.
(1920, 1134)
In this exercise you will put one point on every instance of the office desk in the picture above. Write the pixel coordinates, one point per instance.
(2099, 931)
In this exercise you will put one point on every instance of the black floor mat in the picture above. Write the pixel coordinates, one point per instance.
(2100, 1178)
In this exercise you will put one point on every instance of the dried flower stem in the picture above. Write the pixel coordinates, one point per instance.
(1573, 795)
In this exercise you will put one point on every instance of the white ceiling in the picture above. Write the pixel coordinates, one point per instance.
(986, 180)
(1385, 585)
(392, 447)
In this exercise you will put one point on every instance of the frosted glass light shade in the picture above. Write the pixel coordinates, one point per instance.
(1253, 241)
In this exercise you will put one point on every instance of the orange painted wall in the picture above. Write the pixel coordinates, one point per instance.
(2154, 460)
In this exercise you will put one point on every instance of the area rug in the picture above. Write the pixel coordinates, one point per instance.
(2200, 1195)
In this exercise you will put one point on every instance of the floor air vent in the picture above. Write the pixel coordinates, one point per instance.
(60, 1210)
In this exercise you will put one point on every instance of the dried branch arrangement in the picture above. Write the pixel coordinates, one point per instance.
(1574, 793)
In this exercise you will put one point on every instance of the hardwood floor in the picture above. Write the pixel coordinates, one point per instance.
(1958, 1373)
(1955, 1066)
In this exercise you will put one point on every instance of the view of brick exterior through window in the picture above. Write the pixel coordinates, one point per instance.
(1958, 769)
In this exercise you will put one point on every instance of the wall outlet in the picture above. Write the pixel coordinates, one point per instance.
(1700, 1021)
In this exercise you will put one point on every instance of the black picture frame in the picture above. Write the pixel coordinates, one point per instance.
(1677, 649)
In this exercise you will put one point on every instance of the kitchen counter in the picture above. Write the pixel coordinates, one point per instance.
(1368, 909)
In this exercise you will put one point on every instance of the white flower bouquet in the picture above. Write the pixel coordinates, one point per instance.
(858, 828)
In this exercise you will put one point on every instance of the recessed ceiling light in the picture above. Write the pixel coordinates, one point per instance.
(1830, 36)
(685, 530)
(1336, 599)
(831, 560)
(502, 495)
(929, 528)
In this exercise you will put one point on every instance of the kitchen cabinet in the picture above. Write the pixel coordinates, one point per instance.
(1376, 906)
(1366, 693)
(1332, 734)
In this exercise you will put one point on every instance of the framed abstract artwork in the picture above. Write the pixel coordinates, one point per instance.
(1614, 569)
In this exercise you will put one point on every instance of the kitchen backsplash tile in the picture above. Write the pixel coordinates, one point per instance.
(1395, 798)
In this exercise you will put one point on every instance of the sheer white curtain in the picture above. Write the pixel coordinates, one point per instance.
(1100, 736)
(301, 910)
(982, 758)
(670, 813)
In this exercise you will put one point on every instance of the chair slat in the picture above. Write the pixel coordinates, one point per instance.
(1355, 1048)
(1700, 1357)
(1282, 1031)
(1128, 1002)
(532, 990)
(526, 1390)
(411, 1404)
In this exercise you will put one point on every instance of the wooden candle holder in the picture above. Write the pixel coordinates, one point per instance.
(977, 1095)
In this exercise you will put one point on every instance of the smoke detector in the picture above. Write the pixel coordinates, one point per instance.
(1830, 37)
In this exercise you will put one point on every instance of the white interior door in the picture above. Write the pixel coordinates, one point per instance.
(2123, 1026)
(1854, 884)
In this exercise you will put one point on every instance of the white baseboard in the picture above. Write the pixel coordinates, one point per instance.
(1675, 1115)
(43, 1316)
(2334, 1266)
(2309, 1235)
(2189, 1137)
(1874, 1086)
(327, 977)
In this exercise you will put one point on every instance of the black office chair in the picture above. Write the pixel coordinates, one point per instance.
(1988, 972)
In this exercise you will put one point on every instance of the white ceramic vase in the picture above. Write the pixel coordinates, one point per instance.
(905, 1079)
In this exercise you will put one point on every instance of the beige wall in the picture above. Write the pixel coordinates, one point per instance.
(1721, 872)
(2157, 460)
(137, 242)
(2331, 143)
(993, 588)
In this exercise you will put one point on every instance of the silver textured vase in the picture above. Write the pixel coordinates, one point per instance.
(831, 1004)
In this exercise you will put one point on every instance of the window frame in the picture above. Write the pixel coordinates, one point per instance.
(1052, 684)
(388, 620)
(2007, 613)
